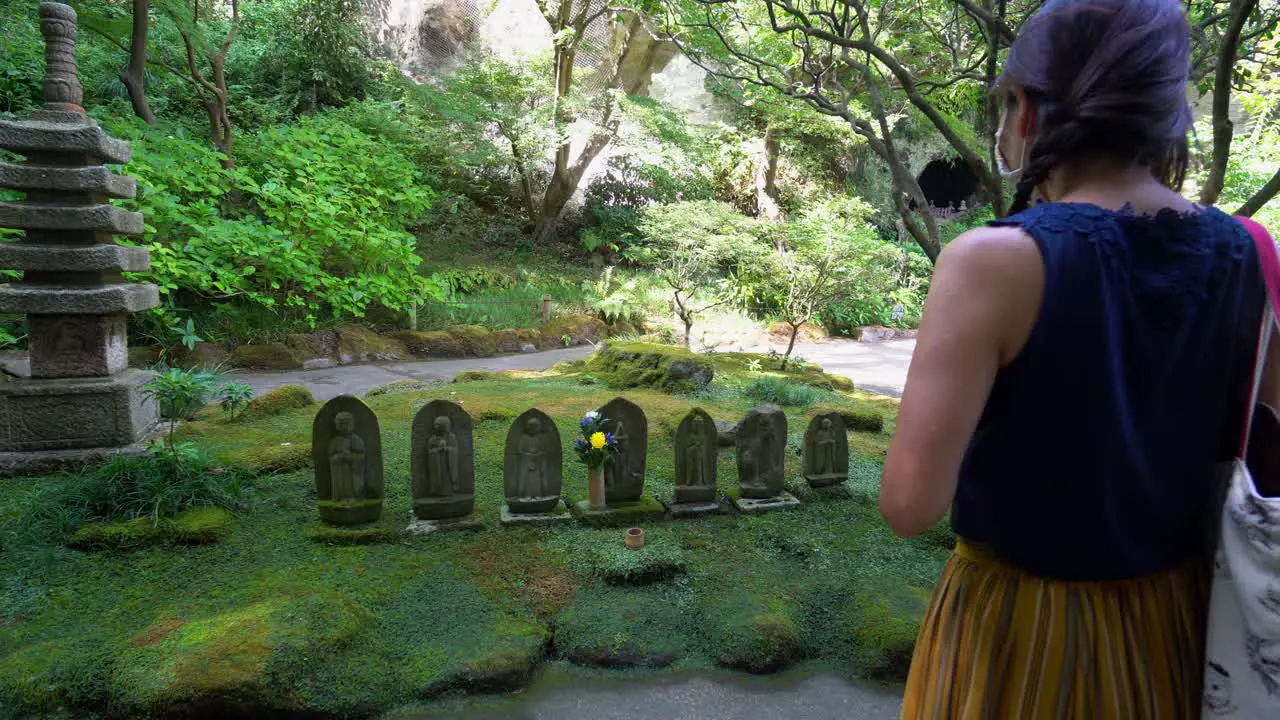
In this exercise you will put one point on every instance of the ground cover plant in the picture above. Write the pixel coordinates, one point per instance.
(272, 617)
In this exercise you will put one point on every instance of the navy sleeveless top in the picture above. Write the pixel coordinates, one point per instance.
(1094, 456)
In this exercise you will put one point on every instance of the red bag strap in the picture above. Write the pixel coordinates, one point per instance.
(1269, 263)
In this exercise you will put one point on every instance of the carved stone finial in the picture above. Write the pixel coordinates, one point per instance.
(62, 89)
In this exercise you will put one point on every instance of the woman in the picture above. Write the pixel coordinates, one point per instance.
(1081, 367)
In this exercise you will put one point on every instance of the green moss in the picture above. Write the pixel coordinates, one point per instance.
(660, 367)
(272, 356)
(580, 329)
(647, 508)
(617, 628)
(45, 679)
(856, 417)
(203, 355)
(383, 531)
(272, 458)
(278, 400)
(403, 386)
(308, 346)
(475, 340)
(360, 344)
(144, 356)
(507, 341)
(611, 561)
(431, 344)
(198, 526)
(756, 633)
(473, 376)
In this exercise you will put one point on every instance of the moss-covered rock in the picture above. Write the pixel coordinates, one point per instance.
(880, 628)
(762, 643)
(475, 340)
(360, 344)
(203, 355)
(272, 356)
(376, 533)
(144, 356)
(272, 458)
(614, 628)
(647, 508)
(507, 667)
(855, 419)
(579, 329)
(242, 662)
(508, 341)
(309, 346)
(660, 367)
(403, 386)
(198, 526)
(431, 344)
(280, 399)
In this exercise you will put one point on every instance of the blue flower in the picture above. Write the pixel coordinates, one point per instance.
(608, 439)
(580, 444)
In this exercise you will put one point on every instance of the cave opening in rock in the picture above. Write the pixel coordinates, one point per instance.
(947, 183)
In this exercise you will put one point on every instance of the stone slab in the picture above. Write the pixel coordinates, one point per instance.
(27, 137)
(49, 462)
(625, 513)
(51, 257)
(755, 506)
(559, 515)
(474, 521)
(113, 299)
(75, 413)
(94, 179)
(679, 511)
(40, 216)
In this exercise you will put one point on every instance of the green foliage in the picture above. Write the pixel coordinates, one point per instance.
(21, 58)
(234, 396)
(153, 486)
(782, 392)
(279, 400)
(180, 394)
(613, 562)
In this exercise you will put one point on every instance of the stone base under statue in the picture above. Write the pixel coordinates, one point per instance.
(97, 415)
(754, 506)
(681, 510)
(558, 514)
(447, 508)
(624, 513)
(350, 512)
(425, 527)
(825, 481)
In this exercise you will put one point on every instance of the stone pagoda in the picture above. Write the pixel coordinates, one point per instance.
(81, 400)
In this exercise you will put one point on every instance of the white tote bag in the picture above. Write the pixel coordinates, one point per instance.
(1242, 670)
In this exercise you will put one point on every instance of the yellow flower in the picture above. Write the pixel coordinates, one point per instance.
(597, 440)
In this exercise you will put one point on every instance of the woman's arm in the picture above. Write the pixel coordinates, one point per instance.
(1269, 393)
(984, 299)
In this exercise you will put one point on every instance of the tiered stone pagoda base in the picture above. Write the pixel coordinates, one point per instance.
(70, 420)
(50, 462)
(559, 514)
(755, 506)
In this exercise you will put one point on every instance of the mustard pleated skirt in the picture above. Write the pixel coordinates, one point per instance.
(1000, 643)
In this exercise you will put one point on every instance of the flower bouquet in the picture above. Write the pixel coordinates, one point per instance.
(597, 450)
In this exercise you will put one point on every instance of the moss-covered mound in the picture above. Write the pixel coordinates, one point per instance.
(473, 376)
(203, 355)
(272, 356)
(659, 367)
(614, 628)
(198, 526)
(273, 458)
(856, 419)
(475, 340)
(278, 400)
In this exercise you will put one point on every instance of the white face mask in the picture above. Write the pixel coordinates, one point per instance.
(1002, 163)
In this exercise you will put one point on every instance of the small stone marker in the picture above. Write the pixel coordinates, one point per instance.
(533, 464)
(826, 451)
(624, 478)
(442, 466)
(81, 400)
(346, 448)
(695, 446)
(762, 447)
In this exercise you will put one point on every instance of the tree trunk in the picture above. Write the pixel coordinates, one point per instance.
(687, 319)
(767, 177)
(134, 74)
(791, 345)
(996, 189)
(1262, 197)
(1223, 128)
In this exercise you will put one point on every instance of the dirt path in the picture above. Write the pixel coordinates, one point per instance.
(879, 368)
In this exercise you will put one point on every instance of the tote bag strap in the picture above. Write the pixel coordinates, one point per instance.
(1269, 263)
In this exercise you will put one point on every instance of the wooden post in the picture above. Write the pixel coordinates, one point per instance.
(546, 309)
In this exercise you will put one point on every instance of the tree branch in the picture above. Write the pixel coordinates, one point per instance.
(1260, 198)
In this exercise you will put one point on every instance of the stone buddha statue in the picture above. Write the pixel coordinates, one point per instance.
(442, 459)
(531, 482)
(694, 452)
(825, 449)
(346, 460)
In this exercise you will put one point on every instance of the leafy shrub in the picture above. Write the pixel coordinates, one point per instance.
(782, 392)
(234, 396)
(155, 485)
(180, 394)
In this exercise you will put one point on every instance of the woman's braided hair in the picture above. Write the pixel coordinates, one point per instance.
(1107, 77)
